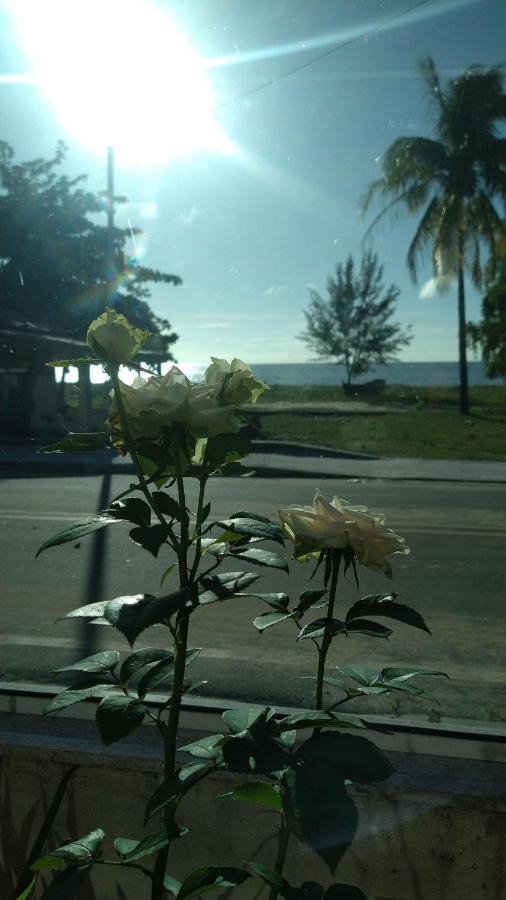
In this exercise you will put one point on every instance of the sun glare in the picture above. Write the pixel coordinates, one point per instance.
(118, 72)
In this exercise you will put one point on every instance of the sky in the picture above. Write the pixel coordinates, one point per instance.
(285, 109)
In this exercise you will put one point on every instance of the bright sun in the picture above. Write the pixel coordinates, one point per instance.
(118, 72)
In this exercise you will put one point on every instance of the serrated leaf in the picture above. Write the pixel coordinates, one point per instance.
(67, 884)
(206, 748)
(78, 361)
(133, 614)
(312, 600)
(253, 528)
(350, 756)
(140, 659)
(211, 878)
(251, 718)
(173, 787)
(162, 670)
(258, 792)
(364, 626)
(261, 558)
(90, 611)
(319, 811)
(167, 505)
(116, 717)
(153, 843)
(78, 531)
(150, 539)
(319, 719)
(82, 850)
(267, 619)
(277, 600)
(396, 674)
(74, 694)
(316, 629)
(132, 510)
(365, 675)
(386, 605)
(215, 588)
(99, 663)
(223, 449)
(76, 441)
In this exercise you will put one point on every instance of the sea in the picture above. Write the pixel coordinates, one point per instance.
(415, 373)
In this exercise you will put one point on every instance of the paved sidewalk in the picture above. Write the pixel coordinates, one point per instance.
(269, 459)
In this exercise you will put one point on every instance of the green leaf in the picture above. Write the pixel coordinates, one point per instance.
(171, 885)
(345, 892)
(349, 756)
(395, 674)
(78, 361)
(150, 844)
(173, 787)
(385, 605)
(251, 718)
(48, 861)
(211, 878)
(116, 717)
(78, 531)
(242, 514)
(206, 748)
(278, 600)
(28, 890)
(316, 629)
(204, 514)
(90, 611)
(259, 792)
(162, 670)
(362, 674)
(318, 810)
(167, 505)
(151, 538)
(67, 884)
(220, 587)
(319, 719)
(254, 528)
(79, 441)
(261, 558)
(274, 879)
(133, 614)
(82, 850)
(132, 510)
(74, 694)
(267, 619)
(223, 449)
(312, 600)
(364, 626)
(140, 659)
(99, 663)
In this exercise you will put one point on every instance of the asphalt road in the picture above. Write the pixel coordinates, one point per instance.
(453, 576)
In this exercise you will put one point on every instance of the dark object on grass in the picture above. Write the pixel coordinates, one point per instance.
(368, 389)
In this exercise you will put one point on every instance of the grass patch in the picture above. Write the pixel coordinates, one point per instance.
(427, 434)
(489, 396)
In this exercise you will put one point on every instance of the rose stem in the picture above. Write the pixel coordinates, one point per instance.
(327, 637)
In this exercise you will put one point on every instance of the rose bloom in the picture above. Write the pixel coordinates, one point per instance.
(162, 400)
(113, 338)
(338, 525)
(234, 382)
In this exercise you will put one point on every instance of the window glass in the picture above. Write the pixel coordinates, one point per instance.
(238, 142)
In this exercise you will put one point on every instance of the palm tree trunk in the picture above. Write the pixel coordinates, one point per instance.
(464, 389)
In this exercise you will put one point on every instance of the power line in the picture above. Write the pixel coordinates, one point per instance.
(311, 62)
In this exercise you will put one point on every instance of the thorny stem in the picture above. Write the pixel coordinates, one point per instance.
(327, 637)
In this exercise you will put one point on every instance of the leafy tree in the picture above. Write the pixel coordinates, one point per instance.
(58, 267)
(490, 333)
(352, 327)
(454, 178)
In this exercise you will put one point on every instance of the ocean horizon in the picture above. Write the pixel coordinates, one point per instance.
(314, 373)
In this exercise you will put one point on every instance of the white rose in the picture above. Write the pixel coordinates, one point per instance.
(337, 525)
(113, 338)
(236, 383)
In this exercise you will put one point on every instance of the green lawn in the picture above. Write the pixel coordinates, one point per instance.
(430, 434)
(482, 397)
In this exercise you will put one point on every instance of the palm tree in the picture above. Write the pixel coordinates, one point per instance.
(454, 178)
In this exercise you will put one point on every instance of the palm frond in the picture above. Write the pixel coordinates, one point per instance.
(423, 234)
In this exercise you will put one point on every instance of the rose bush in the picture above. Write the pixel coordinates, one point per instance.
(338, 525)
(112, 337)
